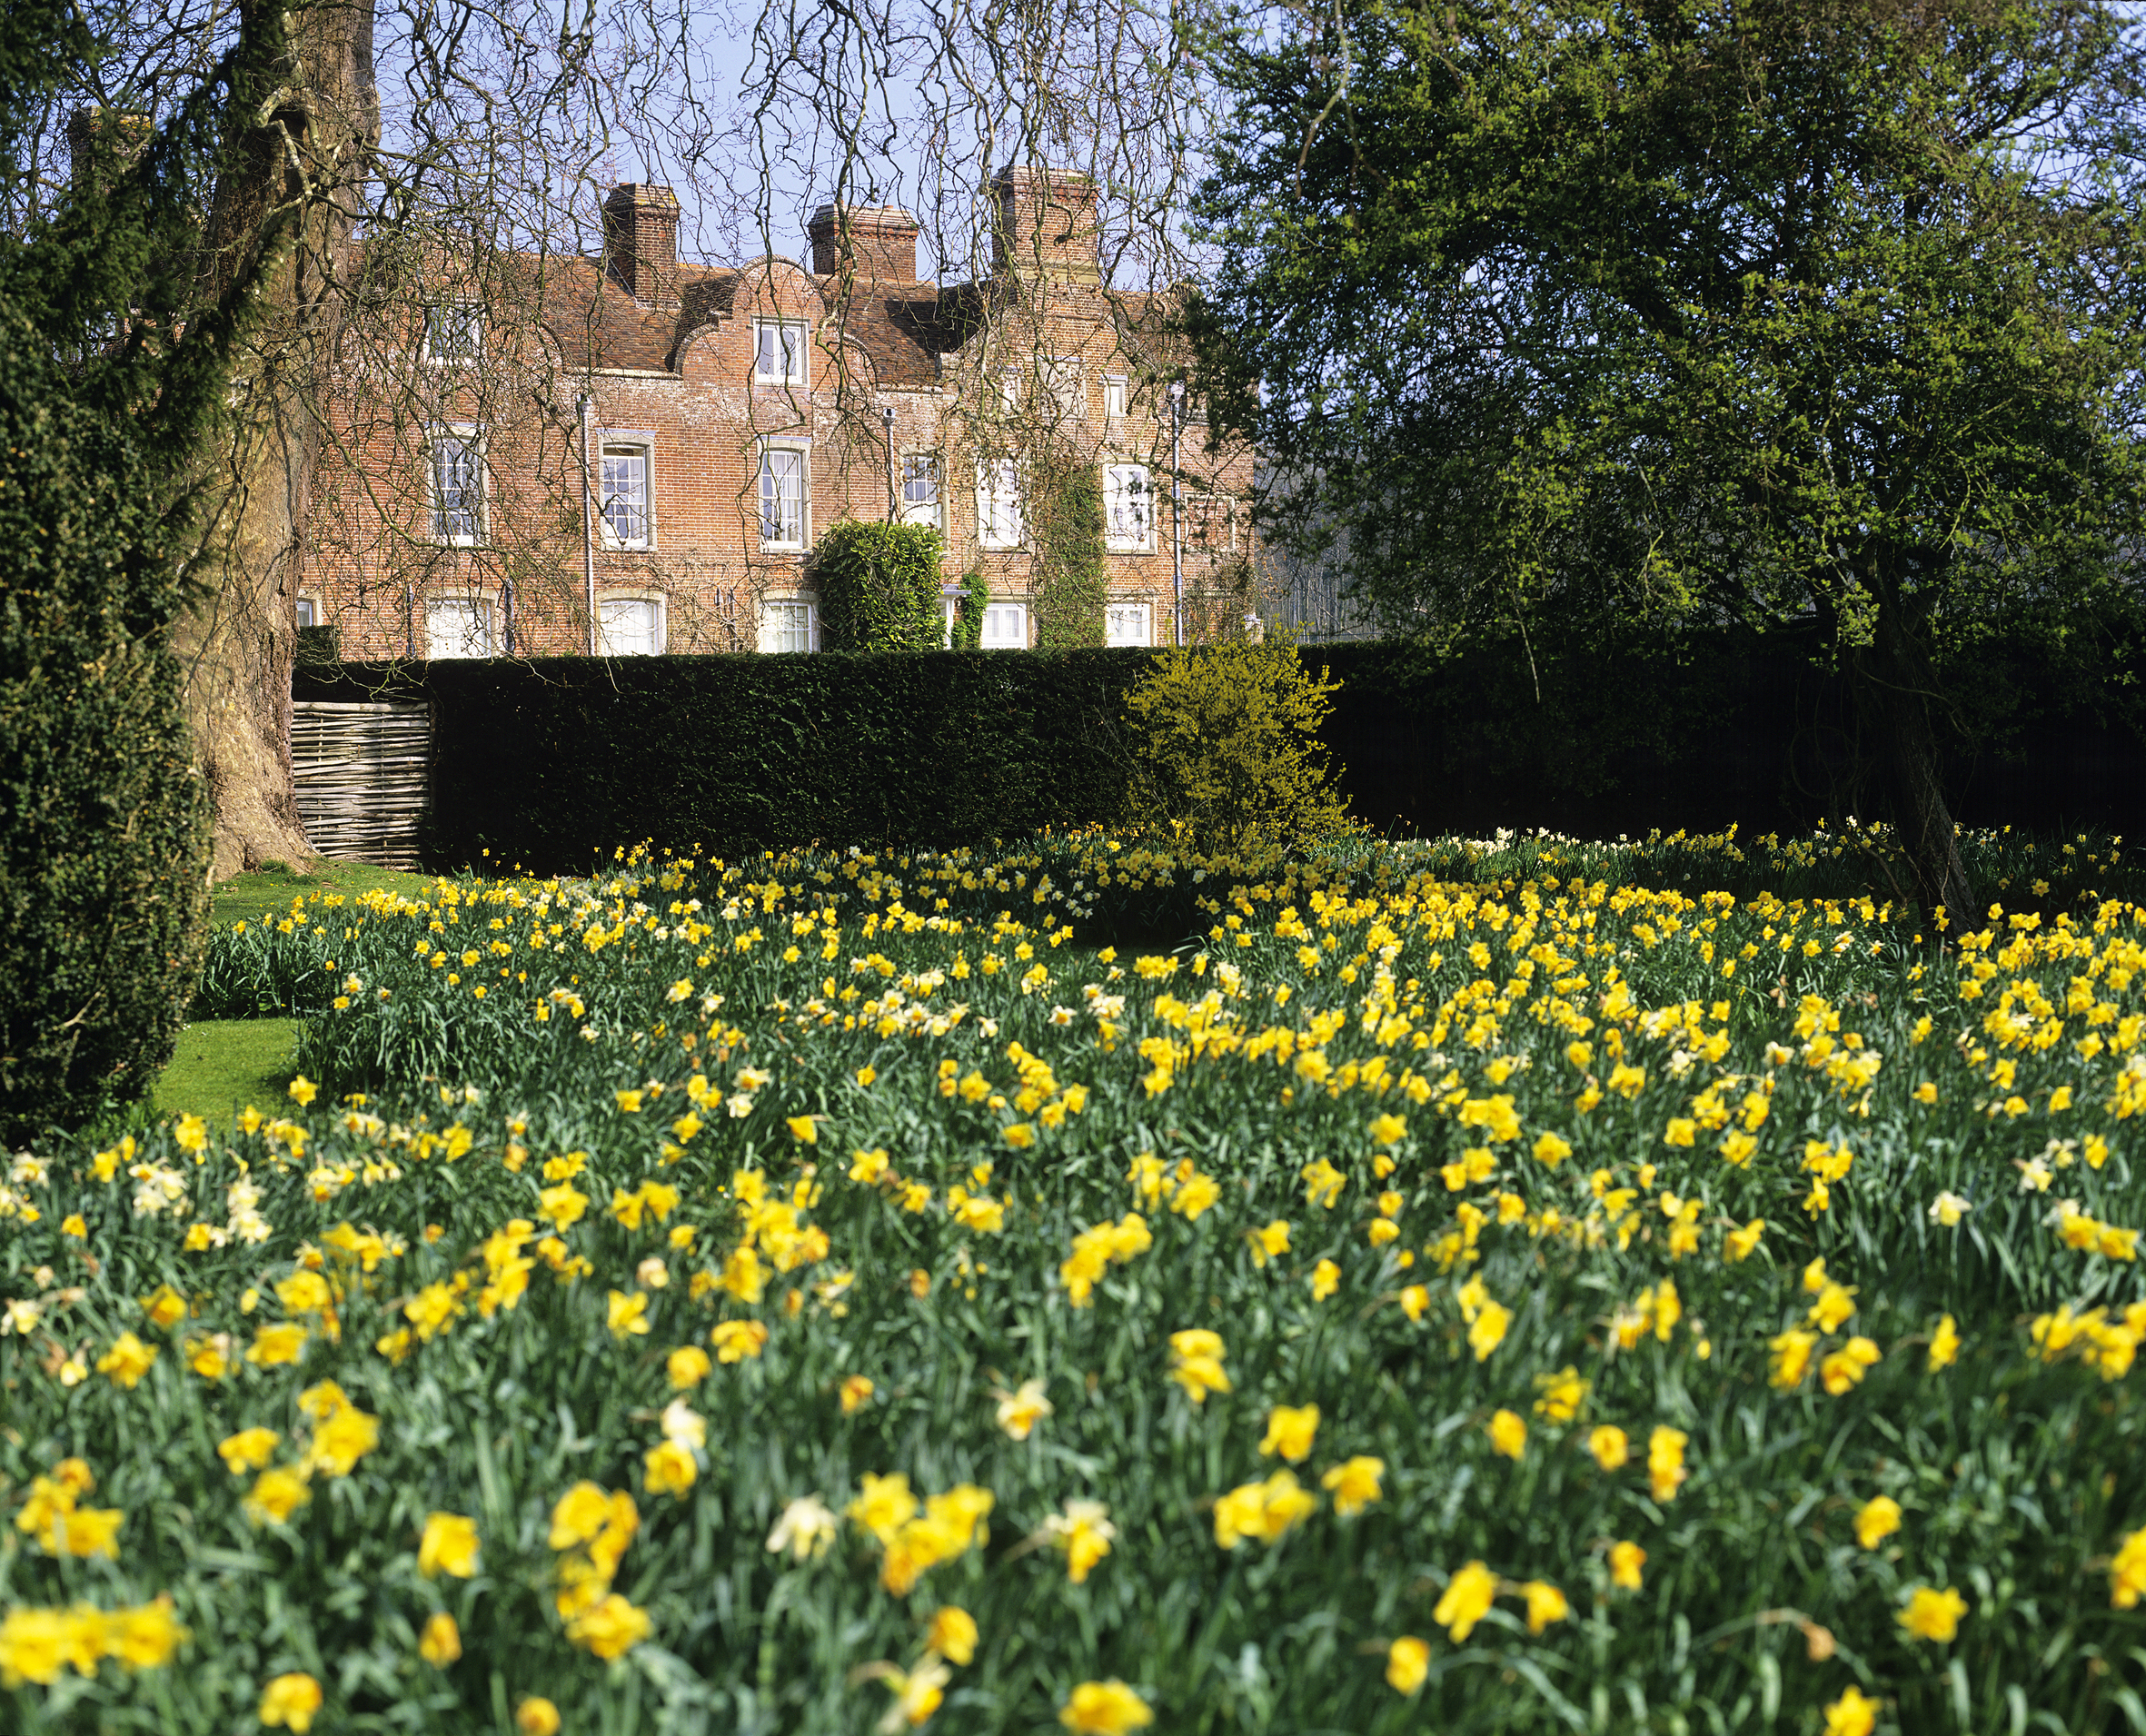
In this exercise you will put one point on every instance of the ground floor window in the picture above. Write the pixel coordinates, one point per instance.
(459, 627)
(1127, 624)
(629, 626)
(1006, 627)
(789, 627)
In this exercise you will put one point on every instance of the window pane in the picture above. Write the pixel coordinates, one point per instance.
(628, 626)
(457, 488)
(1006, 627)
(919, 488)
(308, 614)
(1129, 503)
(1125, 624)
(781, 358)
(452, 333)
(458, 627)
(787, 627)
(783, 496)
(998, 505)
(626, 496)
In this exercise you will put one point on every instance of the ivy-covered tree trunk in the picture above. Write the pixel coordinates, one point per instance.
(286, 208)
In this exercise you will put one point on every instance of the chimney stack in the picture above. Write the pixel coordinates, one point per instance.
(101, 141)
(877, 243)
(1045, 225)
(640, 242)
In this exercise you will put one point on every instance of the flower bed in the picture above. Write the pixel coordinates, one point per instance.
(818, 1294)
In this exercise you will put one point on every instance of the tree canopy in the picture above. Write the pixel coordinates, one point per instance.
(1727, 309)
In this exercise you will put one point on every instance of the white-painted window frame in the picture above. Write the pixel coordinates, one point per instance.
(1001, 510)
(482, 610)
(469, 438)
(765, 631)
(793, 343)
(626, 443)
(1113, 614)
(655, 599)
(1129, 498)
(767, 470)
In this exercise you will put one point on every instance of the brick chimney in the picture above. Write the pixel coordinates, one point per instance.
(879, 242)
(640, 241)
(1043, 225)
(101, 141)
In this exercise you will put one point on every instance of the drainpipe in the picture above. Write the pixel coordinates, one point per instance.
(893, 486)
(1177, 512)
(587, 528)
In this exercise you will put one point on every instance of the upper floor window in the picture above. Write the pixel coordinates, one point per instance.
(778, 358)
(920, 490)
(309, 613)
(629, 626)
(1114, 397)
(1210, 522)
(1059, 376)
(782, 497)
(625, 496)
(1129, 507)
(998, 504)
(458, 486)
(454, 333)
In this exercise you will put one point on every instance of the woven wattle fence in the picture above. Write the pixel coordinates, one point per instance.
(362, 773)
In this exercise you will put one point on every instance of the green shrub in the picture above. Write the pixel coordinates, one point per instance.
(102, 886)
(1226, 748)
(968, 624)
(879, 586)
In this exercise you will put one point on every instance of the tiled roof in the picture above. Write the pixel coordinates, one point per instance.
(597, 324)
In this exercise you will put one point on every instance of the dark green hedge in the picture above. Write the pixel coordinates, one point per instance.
(539, 763)
(543, 762)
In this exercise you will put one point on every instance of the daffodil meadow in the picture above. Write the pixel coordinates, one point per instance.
(829, 1293)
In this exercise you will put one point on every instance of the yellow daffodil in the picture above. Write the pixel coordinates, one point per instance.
(440, 1644)
(291, 1702)
(1932, 1614)
(1466, 1602)
(1105, 1709)
(1876, 1520)
(1407, 1665)
(1289, 1431)
(449, 1546)
(1354, 1484)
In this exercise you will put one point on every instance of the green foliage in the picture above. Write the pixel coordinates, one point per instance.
(969, 623)
(1226, 747)
(103, 417)
(879, 586)
(1598, 330)
(1418, 1017)
(738, 753)
(1071, 578)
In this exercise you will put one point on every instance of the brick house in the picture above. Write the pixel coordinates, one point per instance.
(536, 455)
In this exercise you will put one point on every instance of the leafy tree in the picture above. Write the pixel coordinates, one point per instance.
(114, 376)
(880, 586)
(1715, 310)
(1226, 747)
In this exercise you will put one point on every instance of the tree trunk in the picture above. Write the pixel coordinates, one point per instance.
(290, 187)
(1893, 689)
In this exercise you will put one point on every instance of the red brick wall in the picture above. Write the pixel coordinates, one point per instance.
(372, 563)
